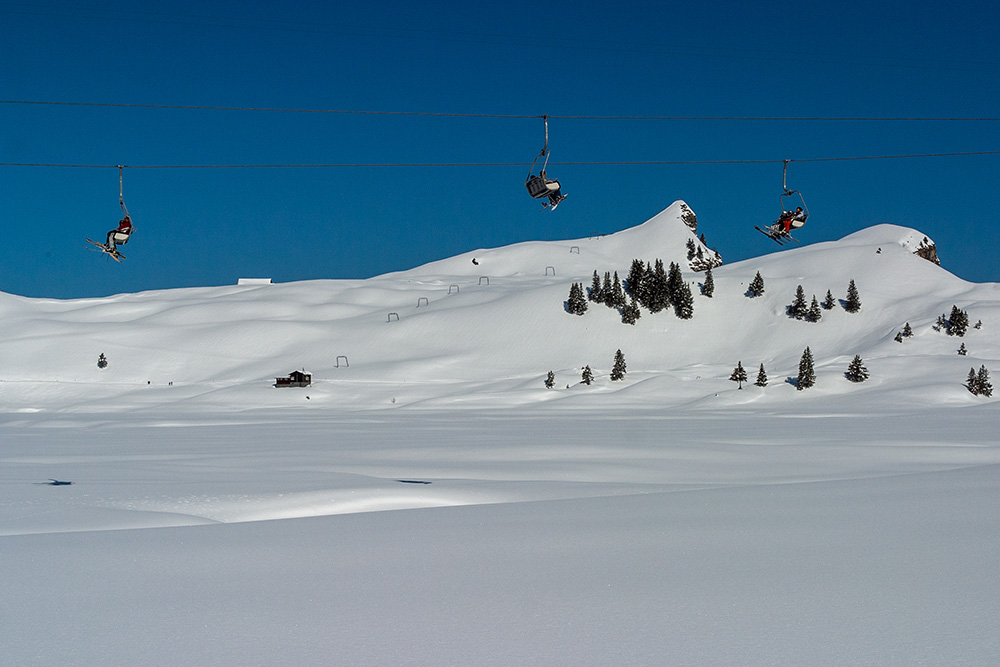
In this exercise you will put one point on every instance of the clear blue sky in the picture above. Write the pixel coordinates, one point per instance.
(197, 227)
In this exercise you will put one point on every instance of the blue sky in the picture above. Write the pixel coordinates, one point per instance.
(198, 227)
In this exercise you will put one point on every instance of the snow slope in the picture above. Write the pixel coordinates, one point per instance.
(431, 503)
(453, 332)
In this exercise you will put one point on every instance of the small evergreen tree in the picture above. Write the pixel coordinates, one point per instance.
(618, 370)
(708, 287)
(596, 293)
(684, 303)
(798, 308)
(587, 376)
(550, 380)
(907, 330)
(807, 375)
(576, 304)
(961, 350)
(102, 361)
(739, 375)
(941, 322)
(692, 250)
(814, 314)
(829, 302)
(853, 302)
(983, 384)
(756, 286)
(631, 312)
(856, 371)
(761, 377)
(979, 324)
(899, 337)
(972, 382)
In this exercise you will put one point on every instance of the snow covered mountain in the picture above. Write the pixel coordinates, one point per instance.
(483, 328)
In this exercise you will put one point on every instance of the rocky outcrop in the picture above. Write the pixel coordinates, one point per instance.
(928, 251)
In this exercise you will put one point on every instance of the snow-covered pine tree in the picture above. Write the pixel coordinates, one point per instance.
(607, 293)
(658, 296)
(550, 380)
(907, 330)
(961, 350)
(983, 383)
(631, 312)
(972, 382)
(587, 376)
(596, 293)
(739, 375)
(708, 287)
(814, 314)
(798, 307)
(829, 302)
(691, 249)
(618, 370)
(618, 294)
(576, 304)
(756, 286)
(979, 324)
(761, 377)
(958, 322)
(899, 337)
(807, 375)
(684, 303)
(102, 361)
(853, 302)
(674, 281)
(856, 371)
(633, 283)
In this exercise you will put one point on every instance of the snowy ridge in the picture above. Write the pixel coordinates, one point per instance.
(454, 332)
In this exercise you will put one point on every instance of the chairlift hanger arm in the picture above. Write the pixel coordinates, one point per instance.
(121, 193)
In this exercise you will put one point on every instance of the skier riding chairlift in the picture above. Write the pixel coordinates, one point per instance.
(789, 219)
(120, 235)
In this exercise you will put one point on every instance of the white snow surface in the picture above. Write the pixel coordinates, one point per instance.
(427, 501)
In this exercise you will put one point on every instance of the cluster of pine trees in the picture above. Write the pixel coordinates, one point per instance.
(979, 383)
(650, 286)
(813, 312)
(618, 370)
(856, 372)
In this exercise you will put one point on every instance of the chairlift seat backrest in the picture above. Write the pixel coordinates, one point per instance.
(536, 187)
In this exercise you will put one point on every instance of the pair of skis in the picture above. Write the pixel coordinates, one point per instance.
(777, 237)
(115, 255)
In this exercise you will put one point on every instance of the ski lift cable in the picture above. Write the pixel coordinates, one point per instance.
(362, 165)
(194, 107)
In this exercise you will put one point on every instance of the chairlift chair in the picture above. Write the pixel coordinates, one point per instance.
(539, 185)
(791, 193)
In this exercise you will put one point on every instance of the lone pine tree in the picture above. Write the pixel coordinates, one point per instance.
(761, 377)
(756, 286)
(739, 375)
(550, 380)
(587, 376)
(807, 375)
(829, 302)
(618, 370)
(856, 371)
(853, 302)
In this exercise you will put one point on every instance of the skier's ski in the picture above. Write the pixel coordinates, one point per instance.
(115, 255)
(768, 235)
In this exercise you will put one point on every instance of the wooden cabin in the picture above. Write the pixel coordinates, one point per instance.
(294, 379)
